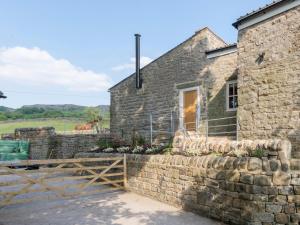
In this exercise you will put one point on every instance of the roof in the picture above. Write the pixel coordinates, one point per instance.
(234, 45)
(205, 28)
(261, 11)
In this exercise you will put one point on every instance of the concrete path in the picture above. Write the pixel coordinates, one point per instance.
(115, 208)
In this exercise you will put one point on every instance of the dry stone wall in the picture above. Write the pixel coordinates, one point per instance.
(39, 139)
(235, 190)
(45, 143)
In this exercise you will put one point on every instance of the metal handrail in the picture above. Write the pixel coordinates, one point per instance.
(225, 125)
(228, 132)
(223, 118)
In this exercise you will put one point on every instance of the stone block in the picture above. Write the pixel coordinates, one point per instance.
(294, 199)
(281, 178)
(264, 217)
(282, 218)
(273, 207)
(233, 175)
(254, 164)
(262, 180)
(295, 218)
(246, 178)
(290, 208)
(297, 190)
(295, 181)
(286, 190)
(274, 164)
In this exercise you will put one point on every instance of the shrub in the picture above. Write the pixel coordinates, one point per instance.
(153, 150)
(104, 143)
(124, 149)
(137, 140)
(138, 150)
(108, 150)
(259, 153)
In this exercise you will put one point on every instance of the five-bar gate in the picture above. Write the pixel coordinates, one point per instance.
(26, 181)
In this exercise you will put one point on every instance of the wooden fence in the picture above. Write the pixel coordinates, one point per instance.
(59, 178)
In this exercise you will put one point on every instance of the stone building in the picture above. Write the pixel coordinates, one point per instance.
(187, 71)
(256, 80)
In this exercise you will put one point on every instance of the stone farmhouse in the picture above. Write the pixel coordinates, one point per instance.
(248, 90)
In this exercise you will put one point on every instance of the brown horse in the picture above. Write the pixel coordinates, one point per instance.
(87, 126)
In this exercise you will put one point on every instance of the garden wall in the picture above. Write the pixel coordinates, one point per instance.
(45, 143)
(236, 190)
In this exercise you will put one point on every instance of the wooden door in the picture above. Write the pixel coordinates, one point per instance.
(190, 110)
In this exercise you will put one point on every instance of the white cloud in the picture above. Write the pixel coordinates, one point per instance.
(131, 65)
(33, 66)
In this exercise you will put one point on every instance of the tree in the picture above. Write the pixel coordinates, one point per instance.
(94, 117)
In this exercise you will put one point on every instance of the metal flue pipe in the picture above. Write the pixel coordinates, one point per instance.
(138, 80)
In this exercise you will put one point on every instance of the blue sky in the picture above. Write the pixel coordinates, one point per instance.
(66, 51)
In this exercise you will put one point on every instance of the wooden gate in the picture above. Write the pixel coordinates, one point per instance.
(26, 181)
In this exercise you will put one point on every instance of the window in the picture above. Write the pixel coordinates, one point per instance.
(231, 96)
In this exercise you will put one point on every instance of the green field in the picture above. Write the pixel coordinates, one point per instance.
(59, 124)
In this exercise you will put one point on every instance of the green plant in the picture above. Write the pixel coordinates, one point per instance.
(167, 151)
(104, 143)
(108, 150)
(154, 150)
(138, 150)
(259, 153)
(137, 140)
(170, 143)
(124, 149)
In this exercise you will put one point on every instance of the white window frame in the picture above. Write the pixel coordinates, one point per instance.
(227, 95)
(181, 104)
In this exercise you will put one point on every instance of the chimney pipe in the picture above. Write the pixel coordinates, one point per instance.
(138, 80)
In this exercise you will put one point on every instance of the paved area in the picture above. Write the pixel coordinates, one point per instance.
(114, 208)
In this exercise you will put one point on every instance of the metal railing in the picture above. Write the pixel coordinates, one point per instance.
(230, 124)
(204, 127)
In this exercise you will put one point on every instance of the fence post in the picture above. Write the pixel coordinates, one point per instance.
(151, 129)
(125, 171)
(206, 110)
(172, 125)
(237, 129)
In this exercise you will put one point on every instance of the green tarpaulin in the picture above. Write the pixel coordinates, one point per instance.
(14, 150)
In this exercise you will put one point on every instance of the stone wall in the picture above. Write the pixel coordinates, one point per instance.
(236, 190)
(66, 146)
(39, 139)
(269, 79)
(184, 66)
(45, 143)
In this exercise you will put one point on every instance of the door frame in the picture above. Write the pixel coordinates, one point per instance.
(181, 105)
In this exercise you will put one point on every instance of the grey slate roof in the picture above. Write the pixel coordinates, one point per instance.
(221, 48)
(260, 11)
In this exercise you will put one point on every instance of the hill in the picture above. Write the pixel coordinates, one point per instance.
(49, 111)
(5, 109)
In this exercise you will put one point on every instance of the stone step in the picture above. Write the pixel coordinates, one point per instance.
(295, 164)
(296, 154)
(295, 172)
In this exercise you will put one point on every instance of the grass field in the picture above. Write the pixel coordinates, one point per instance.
(59, 124)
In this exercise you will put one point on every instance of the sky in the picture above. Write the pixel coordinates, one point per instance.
(71, 52)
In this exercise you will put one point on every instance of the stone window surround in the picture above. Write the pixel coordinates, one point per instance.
(227, 95)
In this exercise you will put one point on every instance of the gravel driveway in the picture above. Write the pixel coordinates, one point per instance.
(114, 208)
